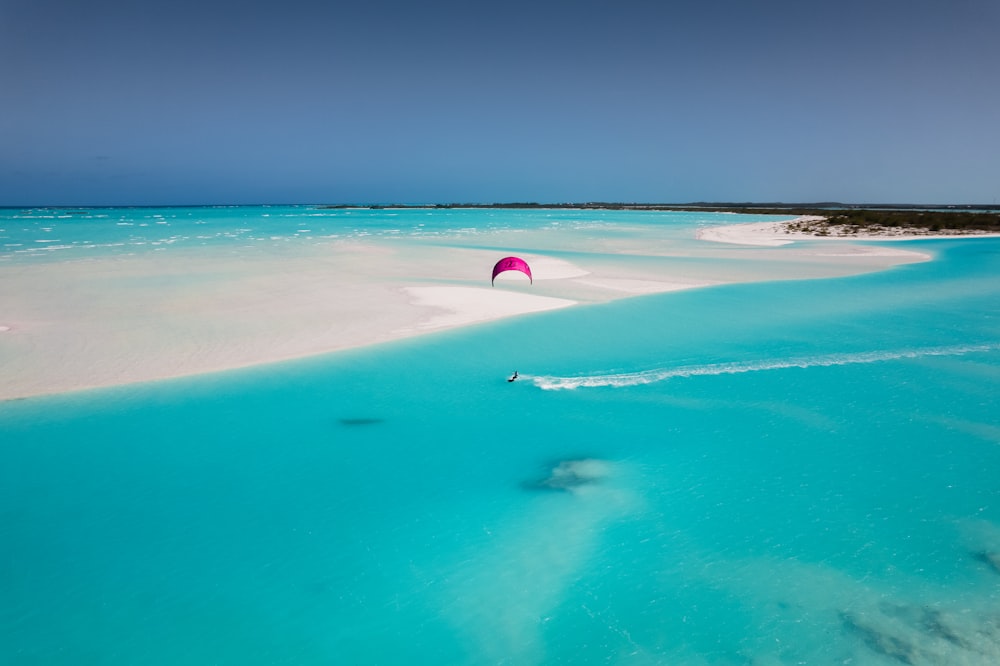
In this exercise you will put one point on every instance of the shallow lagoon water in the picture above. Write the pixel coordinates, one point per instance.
(818, 487)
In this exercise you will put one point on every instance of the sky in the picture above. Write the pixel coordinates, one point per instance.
(133, 102)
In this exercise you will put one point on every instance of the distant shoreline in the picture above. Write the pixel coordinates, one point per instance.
(823, 219)
(719, 207)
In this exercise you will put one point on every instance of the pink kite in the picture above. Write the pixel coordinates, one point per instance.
(512, 264)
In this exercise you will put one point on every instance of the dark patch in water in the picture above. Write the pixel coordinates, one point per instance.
(879, 642)
(934, 623)
(360, 422)
(928, 621)
(990, 558)
(568, 475)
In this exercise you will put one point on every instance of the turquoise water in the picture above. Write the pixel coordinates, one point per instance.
(774, 473)
(65, 234)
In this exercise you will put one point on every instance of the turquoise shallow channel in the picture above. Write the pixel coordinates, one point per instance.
(788, 472)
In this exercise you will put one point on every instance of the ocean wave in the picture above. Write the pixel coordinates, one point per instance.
(618, 380)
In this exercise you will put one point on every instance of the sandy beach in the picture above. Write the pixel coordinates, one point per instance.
(118, 320)
(775, 234)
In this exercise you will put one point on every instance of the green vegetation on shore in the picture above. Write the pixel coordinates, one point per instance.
(859, 221)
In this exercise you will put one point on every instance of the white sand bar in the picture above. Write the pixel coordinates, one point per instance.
(469, 305)
(105, 321)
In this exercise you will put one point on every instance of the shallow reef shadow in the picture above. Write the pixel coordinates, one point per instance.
(364, 421)
(570, 474)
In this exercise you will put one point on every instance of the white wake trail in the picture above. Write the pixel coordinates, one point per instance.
(553, 383)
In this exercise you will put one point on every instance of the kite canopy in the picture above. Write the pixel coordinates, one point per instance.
(512, 264)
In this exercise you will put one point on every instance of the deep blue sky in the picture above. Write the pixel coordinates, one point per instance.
(203, 101)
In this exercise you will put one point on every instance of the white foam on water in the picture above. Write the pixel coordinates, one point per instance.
(618, 380)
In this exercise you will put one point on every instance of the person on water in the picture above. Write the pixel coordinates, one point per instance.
(513, 377)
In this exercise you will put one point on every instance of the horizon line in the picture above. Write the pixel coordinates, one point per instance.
(532, 204)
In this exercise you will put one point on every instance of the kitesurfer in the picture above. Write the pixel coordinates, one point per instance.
(513, 376)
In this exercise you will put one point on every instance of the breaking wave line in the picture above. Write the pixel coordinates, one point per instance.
(551, 383)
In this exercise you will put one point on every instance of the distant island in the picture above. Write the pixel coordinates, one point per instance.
(822, 219)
